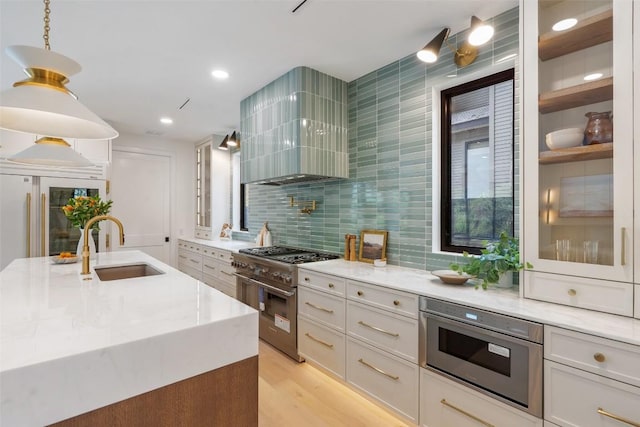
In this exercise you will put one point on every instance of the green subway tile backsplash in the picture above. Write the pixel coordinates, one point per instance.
(388, 116)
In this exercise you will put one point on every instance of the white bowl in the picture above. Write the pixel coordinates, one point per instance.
(379, 262)
(564, 138)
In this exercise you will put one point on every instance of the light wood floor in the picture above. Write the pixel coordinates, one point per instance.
(297, 394)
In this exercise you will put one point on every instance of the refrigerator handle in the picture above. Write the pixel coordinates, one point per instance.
(43, 224)
(28, 225)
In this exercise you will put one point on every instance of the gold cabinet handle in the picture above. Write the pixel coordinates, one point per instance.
(396, 302)
(331, 285)
(182, 256)
(572, 292)
(618, 418)
(368, 365)
(208, 266)
(463, 412)
(227, 273)
(360, 293)
(193, 260)
(378, 329)
(623, 255)
(318, 307)
(599, 357)
(43, 225)
(326, 344)
(28, 225)
(306, 279)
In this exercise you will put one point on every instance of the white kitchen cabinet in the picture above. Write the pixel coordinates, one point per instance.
(589, 380)
(399, 302)
(321, 321)
(446, 403)
(190, 259)
(637, 303)
(577, 398)
(203, 190)
(217, 271)
(391, 332)
(580, 194)
(389, 379)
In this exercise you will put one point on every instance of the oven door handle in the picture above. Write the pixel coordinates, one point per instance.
(264, 285)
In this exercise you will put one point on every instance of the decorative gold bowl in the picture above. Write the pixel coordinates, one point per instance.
(451, 277)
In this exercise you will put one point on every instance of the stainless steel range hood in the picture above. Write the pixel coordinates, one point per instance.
(295, 130)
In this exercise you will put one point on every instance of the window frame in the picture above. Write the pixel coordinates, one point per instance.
(444, 98)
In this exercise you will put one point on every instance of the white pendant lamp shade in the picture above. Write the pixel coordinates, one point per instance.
(51, 152)
(42, 105)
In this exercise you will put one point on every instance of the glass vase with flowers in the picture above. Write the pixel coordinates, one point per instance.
(81, 209)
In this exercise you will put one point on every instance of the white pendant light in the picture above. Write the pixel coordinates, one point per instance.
(42, 105)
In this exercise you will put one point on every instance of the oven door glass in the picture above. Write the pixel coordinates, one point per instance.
(491, 361)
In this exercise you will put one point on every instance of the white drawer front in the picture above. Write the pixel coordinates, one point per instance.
(389, 379)
(227, 273)
(323, 346)
(203, 234)
(385, 298)
(190, 259)
(322, 282)
(600, 295)
(220, 285)
(601, 356)
(391, 332)
(445, 403)
(323, 308)
(210, 252)
(573, 397)
(210, 266)
(196, 274)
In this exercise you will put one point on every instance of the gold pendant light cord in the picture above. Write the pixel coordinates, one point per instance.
(47, 11)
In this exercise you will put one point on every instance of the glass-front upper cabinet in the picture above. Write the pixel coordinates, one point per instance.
(578, 152)
(203, 190)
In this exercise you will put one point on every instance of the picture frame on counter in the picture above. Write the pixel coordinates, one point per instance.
(373, 245)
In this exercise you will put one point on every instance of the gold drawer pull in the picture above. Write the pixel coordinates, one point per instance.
(208, 266)
(326, 344)
(331, 285)
(572, 292)
(306, 279)
(194, 260)
(396, 302)
(227, 273)
(463, 412)
(618, 418)
(368, 365)
(318, 308)
(360, 293)
(599, 357)
(182, 256)
(378, 329)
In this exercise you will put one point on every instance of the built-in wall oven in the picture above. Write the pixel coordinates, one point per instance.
(495, 354)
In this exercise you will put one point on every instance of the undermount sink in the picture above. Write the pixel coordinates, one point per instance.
(129, 271)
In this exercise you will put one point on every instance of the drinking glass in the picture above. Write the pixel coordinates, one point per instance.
(563, 250)
(590, 251)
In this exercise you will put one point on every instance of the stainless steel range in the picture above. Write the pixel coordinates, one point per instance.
(267, 280)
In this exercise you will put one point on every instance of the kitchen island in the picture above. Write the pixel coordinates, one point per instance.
(166, 348)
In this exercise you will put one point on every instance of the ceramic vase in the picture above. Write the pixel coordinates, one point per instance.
(92, 245)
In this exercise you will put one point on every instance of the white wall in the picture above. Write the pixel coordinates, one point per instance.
(183, 187)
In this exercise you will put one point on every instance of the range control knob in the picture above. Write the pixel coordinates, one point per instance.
(286, 278)
(275, 275)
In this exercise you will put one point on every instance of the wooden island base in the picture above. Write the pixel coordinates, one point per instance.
(227, 396)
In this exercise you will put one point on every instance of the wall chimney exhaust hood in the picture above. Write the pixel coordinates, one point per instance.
(295, 130)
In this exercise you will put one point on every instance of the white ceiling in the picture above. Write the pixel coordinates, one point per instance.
(143, 59)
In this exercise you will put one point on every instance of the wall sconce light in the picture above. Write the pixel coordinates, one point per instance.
(224, 145)
(306, 206)
(233, 140)
(467, 52)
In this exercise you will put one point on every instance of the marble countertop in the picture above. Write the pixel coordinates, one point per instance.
(505, 301)
(69, 345)
(229, 245)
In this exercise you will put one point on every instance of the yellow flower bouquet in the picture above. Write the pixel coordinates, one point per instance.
(81, 209)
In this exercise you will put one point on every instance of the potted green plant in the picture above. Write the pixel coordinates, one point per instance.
(497, 259)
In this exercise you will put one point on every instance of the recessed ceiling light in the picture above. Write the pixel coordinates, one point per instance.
(565, 24)
(594, 76)
(166, 120)
(220, 74)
